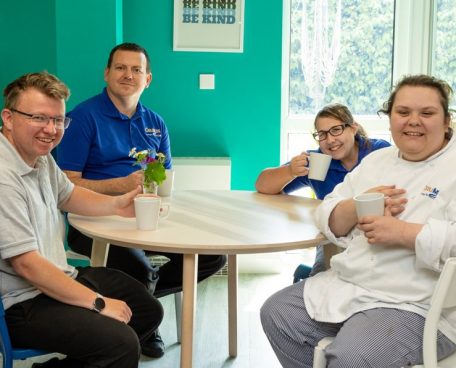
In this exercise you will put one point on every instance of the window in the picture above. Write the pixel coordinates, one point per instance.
(340, 52)
(352, 52)
(444, 41)
(337, 52)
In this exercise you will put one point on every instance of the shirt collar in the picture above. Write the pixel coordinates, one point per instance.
(110, 109)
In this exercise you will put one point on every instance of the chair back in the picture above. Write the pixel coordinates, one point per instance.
(444, 297)
(5, 342)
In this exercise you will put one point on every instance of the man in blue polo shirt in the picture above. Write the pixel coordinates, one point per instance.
(94, 153)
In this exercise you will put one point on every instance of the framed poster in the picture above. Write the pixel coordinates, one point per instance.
(208, 25)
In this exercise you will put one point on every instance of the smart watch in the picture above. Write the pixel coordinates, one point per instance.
(98, 304)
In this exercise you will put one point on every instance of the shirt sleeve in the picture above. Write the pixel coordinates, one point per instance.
(436, 241)
(341, 192)
(296, 184)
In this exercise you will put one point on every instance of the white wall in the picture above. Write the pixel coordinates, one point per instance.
(199, 173)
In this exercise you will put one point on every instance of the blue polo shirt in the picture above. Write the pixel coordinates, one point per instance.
(336, 172)
(99, 139)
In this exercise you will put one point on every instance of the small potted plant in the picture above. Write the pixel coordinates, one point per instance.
(152, 164)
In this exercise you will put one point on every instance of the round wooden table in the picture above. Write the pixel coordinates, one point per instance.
(210, 222)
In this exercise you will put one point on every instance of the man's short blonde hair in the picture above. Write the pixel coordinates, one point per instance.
(44, 82)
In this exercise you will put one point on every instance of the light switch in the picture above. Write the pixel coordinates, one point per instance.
(207, 81)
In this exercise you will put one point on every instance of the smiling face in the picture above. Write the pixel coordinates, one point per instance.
(127, 75)
(31, 141)
(418, 122)
(341, 147)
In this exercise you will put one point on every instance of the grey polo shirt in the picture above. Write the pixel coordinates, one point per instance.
(30, 218)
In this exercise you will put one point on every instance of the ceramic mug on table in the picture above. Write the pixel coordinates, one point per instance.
(149, 210)
(165, 189)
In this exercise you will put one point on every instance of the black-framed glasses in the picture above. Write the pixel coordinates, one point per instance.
(336, 130)
(38, 120)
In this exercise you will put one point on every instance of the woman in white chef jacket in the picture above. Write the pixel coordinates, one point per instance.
(376, 294)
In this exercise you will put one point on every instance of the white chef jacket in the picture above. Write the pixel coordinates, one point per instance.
(368, 276)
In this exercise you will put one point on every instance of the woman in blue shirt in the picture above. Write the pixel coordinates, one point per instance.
(339, 136)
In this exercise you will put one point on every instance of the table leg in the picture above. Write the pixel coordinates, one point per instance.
(232, 304)
(188, 308)
(99, 255)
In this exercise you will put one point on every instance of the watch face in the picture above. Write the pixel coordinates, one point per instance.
(99, 304)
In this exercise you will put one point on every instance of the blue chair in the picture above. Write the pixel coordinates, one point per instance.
(302, 272)
(8, 352)
(325, 250)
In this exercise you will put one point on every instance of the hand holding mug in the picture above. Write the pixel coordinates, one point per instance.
(394, 199)
(390, 231)
(299, 165)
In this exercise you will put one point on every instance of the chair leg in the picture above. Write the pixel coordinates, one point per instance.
(5, 351)
(7, 363)
(319, 352)
(178, 308)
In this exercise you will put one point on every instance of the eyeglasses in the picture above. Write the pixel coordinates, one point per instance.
(41, 121)
(336, 130)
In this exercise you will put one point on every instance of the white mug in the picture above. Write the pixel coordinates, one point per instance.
(165, 189)
(149, 210)
(318, 165)
(370, 204)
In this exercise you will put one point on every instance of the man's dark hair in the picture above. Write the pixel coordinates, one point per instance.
(129, 46)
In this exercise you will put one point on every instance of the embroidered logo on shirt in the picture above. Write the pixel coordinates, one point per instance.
(153, 131)
(430, 192)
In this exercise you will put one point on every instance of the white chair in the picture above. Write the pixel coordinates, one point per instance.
(443, 297)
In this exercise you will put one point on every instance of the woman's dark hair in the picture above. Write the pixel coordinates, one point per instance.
(342, 113)
(421, 80)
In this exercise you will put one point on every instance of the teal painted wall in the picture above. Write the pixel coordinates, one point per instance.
(27, 35)
(87, 30)
(240, 118)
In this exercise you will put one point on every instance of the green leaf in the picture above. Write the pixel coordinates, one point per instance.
(155, 171)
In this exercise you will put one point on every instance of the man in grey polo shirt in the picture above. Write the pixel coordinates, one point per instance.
(95, 316)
